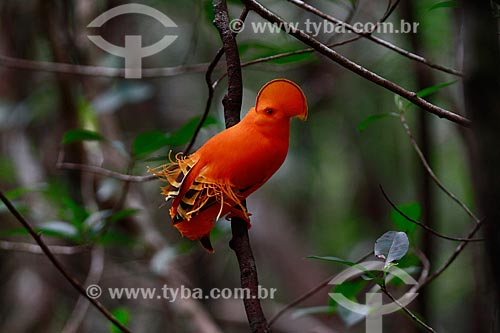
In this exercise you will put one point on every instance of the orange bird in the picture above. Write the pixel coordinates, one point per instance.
(214, 180)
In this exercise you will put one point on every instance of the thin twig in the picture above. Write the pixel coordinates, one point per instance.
(386, 15)
(300, 299)
(377, 40)
(211, 87)
(431, 172)
(105, 172)
(118, 204)
(423, 225)
(460, 247)
(208, 80)
(422, 278)
(407, 311)
(57, 264)
(97, 71)
(426, 267)
(35, 249)
(354, 67)
(82, 305)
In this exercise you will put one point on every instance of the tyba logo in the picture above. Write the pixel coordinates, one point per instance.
(133, 51)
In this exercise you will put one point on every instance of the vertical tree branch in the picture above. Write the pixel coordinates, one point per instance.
(240, 242)
(425, 139)
(58, 41)
(232, 100)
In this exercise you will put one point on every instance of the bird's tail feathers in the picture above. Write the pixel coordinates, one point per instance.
(206, 243)
(202, 193)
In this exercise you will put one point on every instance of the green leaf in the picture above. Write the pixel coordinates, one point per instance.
(349, 317)
(293, 58)
(96, 221)
(432, 89)
(334, 259)
(412, 210)
(402, 106)
(160, 158)
(20, 191)
(186, 132)
(373, 118)
(345, 262)
(75, 213)
(115, 238)
(265, 50)
(391, 246)
(409, 260)
(14, 231)
(350, 289)
(149, 142)
(124, 213)
(77, 135)
(313, 310)
(121, 94)
(123, 317)
(271, 51)
(7, 169)
(86, 115)
(443, 4)
(394, 280)
(59, 229)
(400, 103)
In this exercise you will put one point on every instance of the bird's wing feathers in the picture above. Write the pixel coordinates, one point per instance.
(192, 190)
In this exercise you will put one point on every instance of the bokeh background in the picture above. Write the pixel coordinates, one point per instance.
(325, 200)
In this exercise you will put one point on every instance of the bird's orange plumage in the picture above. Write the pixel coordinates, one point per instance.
(213, 181)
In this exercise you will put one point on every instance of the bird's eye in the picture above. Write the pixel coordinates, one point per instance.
(269, 111)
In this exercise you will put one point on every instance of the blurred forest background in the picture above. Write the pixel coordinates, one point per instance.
(325, 200)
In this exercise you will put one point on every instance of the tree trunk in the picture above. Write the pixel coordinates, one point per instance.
(482, 103)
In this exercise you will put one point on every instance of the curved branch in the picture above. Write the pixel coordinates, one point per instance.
(211, 87)
(460, 247)
(423, 225)
(354, 67)
(407, 311)
(105, 172)
(35, 249)
(422, 278)
(386, 15)
(368, 35)
(431, 172)
(57, 264)
(98, 71)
